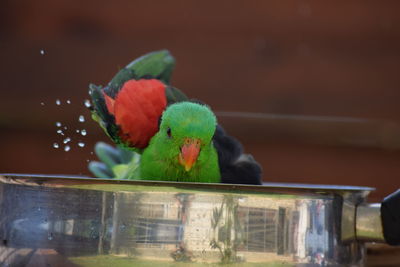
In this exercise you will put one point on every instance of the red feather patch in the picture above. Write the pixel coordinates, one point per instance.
(137, 109)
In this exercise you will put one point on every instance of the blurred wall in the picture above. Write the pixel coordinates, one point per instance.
(323, 75)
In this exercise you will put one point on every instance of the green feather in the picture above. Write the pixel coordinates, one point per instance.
(160, 159)
(158, 65)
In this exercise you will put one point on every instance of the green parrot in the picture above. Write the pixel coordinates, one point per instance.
(161, 134)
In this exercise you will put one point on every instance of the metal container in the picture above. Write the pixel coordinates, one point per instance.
(67, 221)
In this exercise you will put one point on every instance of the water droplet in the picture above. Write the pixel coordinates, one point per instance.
(91, 153)
(87, 160)
(42, 52)
(50, 236)
(81, 118)
(42, 103)
(58, 102)
(58, 124)
(67, 148)
(77, 131)
(87, 103)
(68, 101)
(66, 140)
(60, 132)
(83, 132)
(39, 208)
(81, 144)
(55, 145)
(65, 127)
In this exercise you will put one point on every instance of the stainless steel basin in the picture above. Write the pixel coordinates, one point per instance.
(67, 221)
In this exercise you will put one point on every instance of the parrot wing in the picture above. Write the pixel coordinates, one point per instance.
(130, 117)
(235, 166)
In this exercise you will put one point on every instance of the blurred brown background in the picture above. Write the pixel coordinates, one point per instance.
(324, 75)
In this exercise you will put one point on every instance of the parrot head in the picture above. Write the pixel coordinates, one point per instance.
(186, 128)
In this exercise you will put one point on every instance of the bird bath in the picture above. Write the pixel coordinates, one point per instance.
(76, 221)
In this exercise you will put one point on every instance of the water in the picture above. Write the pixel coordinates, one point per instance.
(83, 132)
(42, 103)
(62, 128)
(87, 103)
(42, 52)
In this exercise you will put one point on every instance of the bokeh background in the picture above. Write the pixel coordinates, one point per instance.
(322, 77)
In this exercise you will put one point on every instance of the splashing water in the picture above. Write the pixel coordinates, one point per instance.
(87, 103)
(66, 141)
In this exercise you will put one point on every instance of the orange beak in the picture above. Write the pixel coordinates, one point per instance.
(189, 153)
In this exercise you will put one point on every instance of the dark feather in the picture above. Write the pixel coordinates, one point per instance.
(235, 167)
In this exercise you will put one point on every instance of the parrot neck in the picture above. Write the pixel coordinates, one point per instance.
(163, 164)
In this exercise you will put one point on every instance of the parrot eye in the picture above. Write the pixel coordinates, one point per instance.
(169, 132)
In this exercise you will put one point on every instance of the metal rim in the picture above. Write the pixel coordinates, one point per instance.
(40, 178)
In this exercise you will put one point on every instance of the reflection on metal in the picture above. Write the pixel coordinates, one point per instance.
(368, 223)
(60, 222)
(227, 231)
(348, 231)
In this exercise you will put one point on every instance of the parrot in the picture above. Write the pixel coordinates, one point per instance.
(161, 134)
